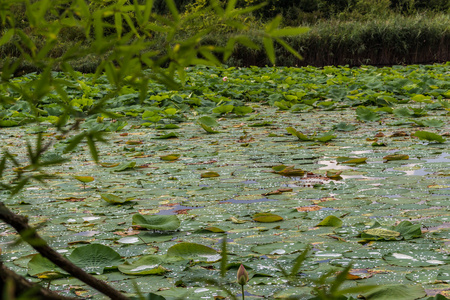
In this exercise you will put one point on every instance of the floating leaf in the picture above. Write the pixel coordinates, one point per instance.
(170, 135)
(113, 199)
(84, 179)
(123, 166)
(214, 229)
(146, 265)
(324, 137)
(261, 124)
(109, 165)
(288, 171)
(382, 233)
(95, 258)
(266, 218)
(366, 114)
(223, 109)
(429, 123)
(334, 174)
(298, 134)
(396, 157)
(209, 174)
(193, 251)
(170, 157)
(168, 126)
(397, 292)
(207, 123)
(404, 230)
(40, 266)
(344, 127)
(429, 136)
(157, 222)
(332, 221)
(349, 160)
(242, 110)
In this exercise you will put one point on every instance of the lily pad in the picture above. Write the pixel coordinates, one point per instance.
(95, 258)
(146, 265)
(267, 218)
(41, 267)
(157, 222)
(123, 166)
(429, 136)
(397, 292)
(396, 157)
(170, 157)
(113, 199)
(196, 252)
(332, 221)
(209, 174)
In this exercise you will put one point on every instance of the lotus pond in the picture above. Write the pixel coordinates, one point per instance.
(351, 161)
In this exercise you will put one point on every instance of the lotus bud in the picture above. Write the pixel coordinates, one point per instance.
(242, 275)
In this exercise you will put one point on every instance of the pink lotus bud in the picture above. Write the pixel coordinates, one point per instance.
(225, 78)
(242, 275)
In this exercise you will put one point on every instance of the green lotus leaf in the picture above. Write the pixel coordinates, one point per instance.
(266, 218)
(170, 157)
(123, 166)
(331, 221)
(41, 267)
(146, 265)
(193, 251)
(429, 136)
(298, 134)
(381, 233)
(397, 292)
(113, 199)
(223, 109)
(344, 127)
(207, 123)
(350, 160)
(84, 179)
(366, 114)
(157, 222)
(396, 157)
(209, 174)
(95, 258)
(242, 110)
(170, 135)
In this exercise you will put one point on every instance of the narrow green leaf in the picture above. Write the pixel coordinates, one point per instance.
(268, 46)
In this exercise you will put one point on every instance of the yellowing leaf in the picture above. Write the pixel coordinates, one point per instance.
(170, 157)
(209, 174)
(396, 157)
(84, 179)
(267, 218)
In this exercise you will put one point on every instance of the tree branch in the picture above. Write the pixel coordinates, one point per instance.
(21, 284)
(30, 235)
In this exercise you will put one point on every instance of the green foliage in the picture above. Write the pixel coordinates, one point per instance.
(429, 136)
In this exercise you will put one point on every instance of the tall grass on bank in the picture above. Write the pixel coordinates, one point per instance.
(394, 40)
(388, 40)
